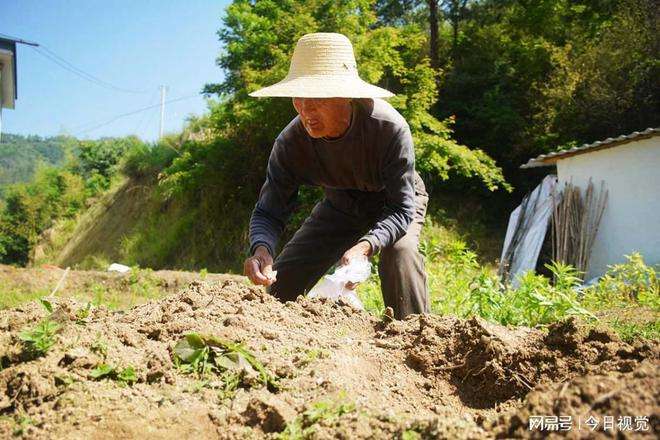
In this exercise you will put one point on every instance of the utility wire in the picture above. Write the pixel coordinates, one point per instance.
(144, 115)
(52, 56)
(132, 113)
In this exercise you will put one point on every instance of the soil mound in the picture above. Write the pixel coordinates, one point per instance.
(305, 369)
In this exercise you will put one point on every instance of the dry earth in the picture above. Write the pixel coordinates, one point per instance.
(427, 376)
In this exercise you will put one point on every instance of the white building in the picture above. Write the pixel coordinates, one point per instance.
(630, 168)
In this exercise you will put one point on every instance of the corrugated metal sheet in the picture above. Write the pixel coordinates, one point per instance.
(551, 158)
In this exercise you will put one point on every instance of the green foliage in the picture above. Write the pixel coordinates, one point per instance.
(523, 78)
(623, 283)
(55, 194)
(626, 297)
(204, 355)
(22, 422)
(99, 346)
(126, 376)
(29, 209)
(21, 156)
(303, 426)
(46, 304)
(39, 339)
(144, 160)
(102, 156)
(83, 313)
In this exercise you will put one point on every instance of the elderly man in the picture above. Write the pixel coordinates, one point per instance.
(359, 149)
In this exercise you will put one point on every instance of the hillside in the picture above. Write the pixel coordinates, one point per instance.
(20, 156)
(99, 231)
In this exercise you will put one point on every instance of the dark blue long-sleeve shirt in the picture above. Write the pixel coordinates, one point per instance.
(372, 164)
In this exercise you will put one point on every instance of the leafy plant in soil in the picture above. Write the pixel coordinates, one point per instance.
(39, 339)
(126, 376)
(303, 426)
(233, 362)
(83, 313)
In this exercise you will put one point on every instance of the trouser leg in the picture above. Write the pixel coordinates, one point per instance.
(401, 268)
(319, 243)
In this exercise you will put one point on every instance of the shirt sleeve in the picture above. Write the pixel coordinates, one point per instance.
(277, 199)
(398, 170)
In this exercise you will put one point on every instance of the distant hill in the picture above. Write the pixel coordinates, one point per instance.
(20, 156)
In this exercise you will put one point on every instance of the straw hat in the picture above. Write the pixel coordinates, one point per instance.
(323, 66)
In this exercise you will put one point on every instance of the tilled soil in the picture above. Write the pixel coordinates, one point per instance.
(426, 376)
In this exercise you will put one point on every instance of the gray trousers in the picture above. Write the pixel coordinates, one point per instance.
(329, 232)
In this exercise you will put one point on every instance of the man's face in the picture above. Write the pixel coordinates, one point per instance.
(324, 117)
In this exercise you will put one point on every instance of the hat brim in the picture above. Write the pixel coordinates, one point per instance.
(322, 87)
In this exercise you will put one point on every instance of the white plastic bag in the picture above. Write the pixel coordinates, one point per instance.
(334, 286)
(116, 267)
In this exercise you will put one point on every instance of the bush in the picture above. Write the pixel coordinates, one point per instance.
(460, 286)
(144, 160)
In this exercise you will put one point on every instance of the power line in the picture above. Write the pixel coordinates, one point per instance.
(55, 58)
(144, 115)
(52, 56)
(123, 115)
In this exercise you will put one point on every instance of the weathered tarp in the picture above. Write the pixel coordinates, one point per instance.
(526, 231)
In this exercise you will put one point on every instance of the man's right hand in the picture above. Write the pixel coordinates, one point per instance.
(259, 267)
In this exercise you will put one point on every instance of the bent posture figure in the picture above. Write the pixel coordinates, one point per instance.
(359, 149)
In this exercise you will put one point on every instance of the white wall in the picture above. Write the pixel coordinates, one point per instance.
(631, 221)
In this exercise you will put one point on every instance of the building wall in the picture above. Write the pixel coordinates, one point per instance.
(631, 221)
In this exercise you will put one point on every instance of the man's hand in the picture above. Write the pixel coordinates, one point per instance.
(362, 249)
(259, 267)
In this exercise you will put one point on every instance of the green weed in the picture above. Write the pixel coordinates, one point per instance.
(204, 355)
(22, 422)
(303, 426)
(460, 286)
(99, 346)
(125, 376)
(40, 338)
(409, 434)
(83, 313)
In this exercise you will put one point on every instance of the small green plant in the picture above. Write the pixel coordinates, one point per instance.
(303, 426)
(99, 346)
(22, 422)
(64, 379)
(410, 434)
(101, 371)
(83, 313)
(207, 354)
(310, 355)
(127, 375)
(104, 371)
(632, 282)
(40, 338)
(46, 304)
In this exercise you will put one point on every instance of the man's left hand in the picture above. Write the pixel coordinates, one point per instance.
(362, 249)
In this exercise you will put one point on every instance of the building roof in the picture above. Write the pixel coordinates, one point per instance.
(552, 158)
